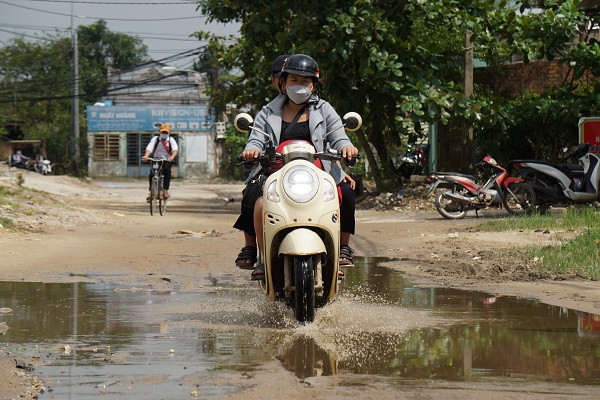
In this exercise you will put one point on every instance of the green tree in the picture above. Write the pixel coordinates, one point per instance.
(394, 62)
(97, 45)
(35, 82)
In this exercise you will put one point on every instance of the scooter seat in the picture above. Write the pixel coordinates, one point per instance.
(567, 169)
(456, 174)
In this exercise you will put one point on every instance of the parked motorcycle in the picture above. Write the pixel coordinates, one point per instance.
(301, 226)
(461, 193)
(415, 160)
(563, 184)
(44, 167)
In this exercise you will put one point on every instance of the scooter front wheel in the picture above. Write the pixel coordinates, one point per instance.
(519, 198)
(449, 209)
(304, 289)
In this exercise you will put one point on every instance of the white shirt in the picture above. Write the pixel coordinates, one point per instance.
(161, 152)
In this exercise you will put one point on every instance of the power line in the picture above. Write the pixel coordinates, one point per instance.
(114, 95)
(26, 35)
(115, 2)
(64, 83)
(120, 88)
(141, 35)
(104, 18)
(66, 28)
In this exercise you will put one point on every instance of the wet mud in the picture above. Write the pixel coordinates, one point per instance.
(382, 335)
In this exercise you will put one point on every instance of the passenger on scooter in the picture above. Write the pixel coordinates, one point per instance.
(299, 113)
(247, 257)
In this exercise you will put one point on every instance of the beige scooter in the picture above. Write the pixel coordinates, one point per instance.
(301, 223)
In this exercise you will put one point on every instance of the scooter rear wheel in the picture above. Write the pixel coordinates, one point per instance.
(449, 209)
(304, 289)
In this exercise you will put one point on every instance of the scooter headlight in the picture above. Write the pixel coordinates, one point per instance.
(300, 184)
(272, 194)
(330, 191)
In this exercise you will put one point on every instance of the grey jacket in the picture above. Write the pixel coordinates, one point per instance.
(322, 119)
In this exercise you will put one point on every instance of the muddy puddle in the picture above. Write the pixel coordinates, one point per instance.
(138, 343)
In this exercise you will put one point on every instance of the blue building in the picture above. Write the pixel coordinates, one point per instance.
(120, 126)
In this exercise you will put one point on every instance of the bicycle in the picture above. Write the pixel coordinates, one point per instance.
(156, 187)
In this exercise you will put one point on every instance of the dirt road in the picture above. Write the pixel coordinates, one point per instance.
(104, 229)
(102, 232)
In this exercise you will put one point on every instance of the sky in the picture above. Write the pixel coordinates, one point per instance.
(164, 25)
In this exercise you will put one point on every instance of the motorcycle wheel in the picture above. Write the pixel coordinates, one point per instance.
(519, 198)
(448, 208)
(304, 289)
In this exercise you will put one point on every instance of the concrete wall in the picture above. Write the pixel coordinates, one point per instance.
(189, 169)
(108, 168)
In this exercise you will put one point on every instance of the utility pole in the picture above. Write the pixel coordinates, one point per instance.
(75, 96)
(467, 130)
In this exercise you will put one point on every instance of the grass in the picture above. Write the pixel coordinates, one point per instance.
(6, 194)
(580, 255)
(6, 222)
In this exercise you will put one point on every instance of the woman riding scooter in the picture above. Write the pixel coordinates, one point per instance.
(300, 114)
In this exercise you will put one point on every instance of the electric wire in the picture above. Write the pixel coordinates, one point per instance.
(116, 2)
(65, 84)
(65, 97)
(104, 18)
(26, 35)
(110, 90)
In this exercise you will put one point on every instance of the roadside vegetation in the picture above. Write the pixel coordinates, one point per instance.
(580, 255)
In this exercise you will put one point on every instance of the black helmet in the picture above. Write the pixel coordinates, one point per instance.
(278, 65)
(301, 64)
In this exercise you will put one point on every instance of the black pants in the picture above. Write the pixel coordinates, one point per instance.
(166, 173)
(245, 221)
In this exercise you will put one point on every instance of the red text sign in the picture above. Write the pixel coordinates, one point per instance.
(589, 132)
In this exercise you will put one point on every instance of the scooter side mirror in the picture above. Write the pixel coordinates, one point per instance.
(243, 122)
(352, 121)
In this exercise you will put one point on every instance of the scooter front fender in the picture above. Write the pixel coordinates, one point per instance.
(301, 242)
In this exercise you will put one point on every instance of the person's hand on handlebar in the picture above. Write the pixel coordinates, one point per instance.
(250, 154)
(349, 152)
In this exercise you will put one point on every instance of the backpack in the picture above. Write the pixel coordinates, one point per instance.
(157, 143)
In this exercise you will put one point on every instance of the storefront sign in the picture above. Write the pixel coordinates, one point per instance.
(147, 118)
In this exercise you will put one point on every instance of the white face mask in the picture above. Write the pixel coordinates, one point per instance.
(298, 94)
(164, 136)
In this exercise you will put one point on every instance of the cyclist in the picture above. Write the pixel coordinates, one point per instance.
(247, 257)
(162, 146)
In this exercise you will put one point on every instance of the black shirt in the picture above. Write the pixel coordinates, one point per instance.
(300, 131)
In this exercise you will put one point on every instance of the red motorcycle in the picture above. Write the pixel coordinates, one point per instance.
(458, 193)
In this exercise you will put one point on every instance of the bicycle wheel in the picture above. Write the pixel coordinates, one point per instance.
(162, 202)
(153, 195)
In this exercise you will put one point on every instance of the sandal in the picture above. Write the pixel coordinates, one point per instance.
(247, 258)
(346, 256)
(148, 199)
(259, 273)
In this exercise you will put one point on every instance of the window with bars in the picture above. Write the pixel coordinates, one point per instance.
(106, 147)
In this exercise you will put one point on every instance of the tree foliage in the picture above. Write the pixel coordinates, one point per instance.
(397, 63)
(35, 82)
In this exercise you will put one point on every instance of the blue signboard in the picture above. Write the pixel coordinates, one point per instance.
(146, 118)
